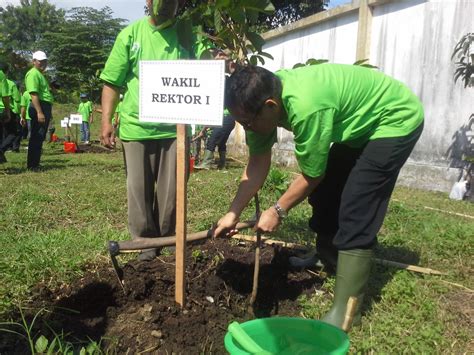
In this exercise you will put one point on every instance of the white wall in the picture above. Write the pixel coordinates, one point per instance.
(411, 40)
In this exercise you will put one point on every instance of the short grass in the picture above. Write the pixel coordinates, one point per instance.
(55, 222)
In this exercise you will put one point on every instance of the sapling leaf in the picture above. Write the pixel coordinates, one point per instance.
(41, 344)
(256, 40)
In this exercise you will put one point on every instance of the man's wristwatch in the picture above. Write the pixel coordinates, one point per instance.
(282, 214)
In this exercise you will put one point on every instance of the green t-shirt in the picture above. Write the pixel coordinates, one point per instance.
(339, 103)
(36, 82)
(25, 102)
(142, 41)
(85, 109)
(15, 97)
(3, 85)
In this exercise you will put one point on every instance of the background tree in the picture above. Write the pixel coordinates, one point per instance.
(461, 151)
(288, 11)
(80, 46)
(22, 30)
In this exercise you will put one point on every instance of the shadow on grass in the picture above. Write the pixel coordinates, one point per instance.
(381, 275)
(79, 318)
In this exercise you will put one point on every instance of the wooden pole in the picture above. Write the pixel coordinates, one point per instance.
(256, 269)
(181, 215)
(349, 315)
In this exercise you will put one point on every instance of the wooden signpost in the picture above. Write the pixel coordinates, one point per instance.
(182, 92)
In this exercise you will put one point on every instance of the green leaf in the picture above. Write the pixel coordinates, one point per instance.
(313, 61)
(41, 344)
(359, 62)
(217, 21)
(267, 55)
(52, 346)
(298, 65)
(264, 6)
(256, 40)
(253, 60)
(221, 4)
(238, 15)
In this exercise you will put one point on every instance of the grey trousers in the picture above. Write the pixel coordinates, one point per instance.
(151, 187)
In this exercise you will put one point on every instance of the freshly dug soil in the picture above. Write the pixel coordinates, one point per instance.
(145, 316)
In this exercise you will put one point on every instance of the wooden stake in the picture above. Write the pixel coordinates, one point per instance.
(350, 312)
(180, 282)
(256, 269)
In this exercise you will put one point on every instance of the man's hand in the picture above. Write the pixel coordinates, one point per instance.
(41, 118)
(268, 221)
(23, 122)
(226, 226)
(107, 137)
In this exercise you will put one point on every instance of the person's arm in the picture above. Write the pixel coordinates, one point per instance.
(110, 97)
(252, 180)
(299, 189)
(23, 115)
(36, 104)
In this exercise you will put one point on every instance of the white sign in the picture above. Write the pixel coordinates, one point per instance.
(75, 119)
(64, 123)
(182, 91)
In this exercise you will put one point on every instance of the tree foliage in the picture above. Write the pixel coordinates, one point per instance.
(288, 11)
(79, 47)
(231, 26)
(464, 52)
(22, 30)
(23, 27)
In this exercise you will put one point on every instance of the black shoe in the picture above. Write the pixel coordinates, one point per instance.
(35, 169)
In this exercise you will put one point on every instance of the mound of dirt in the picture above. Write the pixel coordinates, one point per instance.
(145, 317)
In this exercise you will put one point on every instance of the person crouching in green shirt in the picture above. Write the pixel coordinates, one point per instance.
(85, 109)
(149, 149)
(353, 129)
(40, 109)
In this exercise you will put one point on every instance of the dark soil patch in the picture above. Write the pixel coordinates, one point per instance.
(146, 318)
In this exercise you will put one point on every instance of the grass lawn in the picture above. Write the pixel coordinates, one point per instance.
(55, 222)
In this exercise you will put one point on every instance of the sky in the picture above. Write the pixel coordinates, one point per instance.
(130, 10)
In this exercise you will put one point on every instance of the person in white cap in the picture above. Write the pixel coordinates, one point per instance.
(39, 109)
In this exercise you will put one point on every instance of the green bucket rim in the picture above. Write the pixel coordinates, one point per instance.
(342, 348)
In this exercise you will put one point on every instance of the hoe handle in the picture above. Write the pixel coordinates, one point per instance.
(116, 248)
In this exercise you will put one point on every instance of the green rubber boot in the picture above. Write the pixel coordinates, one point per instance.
(353, 271)
(206, 161)
(221, 164)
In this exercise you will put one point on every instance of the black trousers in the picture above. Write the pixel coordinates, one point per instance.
(38, 134)
(220, 135)
(350, 203)
(10, 133)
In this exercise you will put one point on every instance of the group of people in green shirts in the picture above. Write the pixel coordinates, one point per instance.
(14, 118)
(353, 128)
(26, 115)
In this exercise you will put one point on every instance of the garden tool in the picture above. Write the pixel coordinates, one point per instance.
(138, 244)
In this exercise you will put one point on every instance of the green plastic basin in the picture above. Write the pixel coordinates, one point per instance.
(291, 336)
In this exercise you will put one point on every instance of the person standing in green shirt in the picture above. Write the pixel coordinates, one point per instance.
(85, 109)
(40, 109)
(353, 129)
(149, 149)
(5, 114)
(25, 116)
